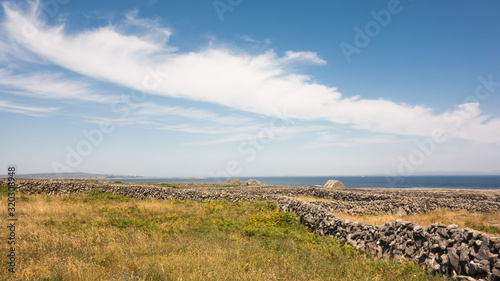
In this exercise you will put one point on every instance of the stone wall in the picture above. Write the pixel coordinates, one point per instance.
(463, 253)
(449, 250)
(349, 201)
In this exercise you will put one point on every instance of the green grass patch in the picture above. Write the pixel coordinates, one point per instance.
(103, 236)
(117, 182)
(481, 226)
(4, 190)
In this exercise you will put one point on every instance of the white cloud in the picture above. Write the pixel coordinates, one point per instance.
(120, 121)
(259, 84)
(55, 86)
(253, 132)
(50, 86)
(304, 56)
(325, 139)
(151, 109)
(151, 30)
(249, 39)
(25, 109)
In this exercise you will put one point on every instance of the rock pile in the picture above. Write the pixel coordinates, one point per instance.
(234, 182)
(252, 182)
(334, 184)
(359, 202)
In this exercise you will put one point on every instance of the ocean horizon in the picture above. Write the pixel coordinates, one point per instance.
(431, 182)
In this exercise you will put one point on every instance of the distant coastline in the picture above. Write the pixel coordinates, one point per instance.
(425, 182)
(81, 175)
(417, 181)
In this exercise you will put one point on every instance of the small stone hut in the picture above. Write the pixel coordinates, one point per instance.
(253, 182)
(234, 182)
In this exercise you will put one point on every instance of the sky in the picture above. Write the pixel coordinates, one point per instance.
(230, 88)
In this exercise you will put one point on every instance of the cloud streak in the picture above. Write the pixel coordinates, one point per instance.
(25, 109)
(259, 84)
(304, 56)
(325, 139)
(50, 86)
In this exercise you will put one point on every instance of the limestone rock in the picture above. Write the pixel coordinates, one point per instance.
(234, 182)
(454, 259)
(495, 274)
(476, 268)
(252, 182)
(334, 184)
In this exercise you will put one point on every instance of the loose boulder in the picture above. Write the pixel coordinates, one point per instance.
(334, 184)
(234, 182)
(252, 182)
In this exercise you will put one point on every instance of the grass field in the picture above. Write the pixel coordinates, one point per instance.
(103, 236)
(484, 222)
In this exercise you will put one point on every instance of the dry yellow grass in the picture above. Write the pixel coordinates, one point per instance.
(308, 198)
(102, 236)
(484, 222)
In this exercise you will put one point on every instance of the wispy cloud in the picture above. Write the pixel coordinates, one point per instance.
(249, 39)
(150, 30)
(152, 109)
(326, 139)
(26, 109)
(54, 86)
(258, 84)
(50, 86)
(304, 56)
(254, 132)
(120, 120)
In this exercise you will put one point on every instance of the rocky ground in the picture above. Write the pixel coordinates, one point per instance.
(462, 253)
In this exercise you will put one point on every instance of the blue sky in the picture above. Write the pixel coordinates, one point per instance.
(232, 88)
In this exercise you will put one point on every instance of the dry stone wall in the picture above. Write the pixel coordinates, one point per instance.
(450, 250)
(458, 252)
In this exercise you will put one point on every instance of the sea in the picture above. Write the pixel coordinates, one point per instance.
(431, 182)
